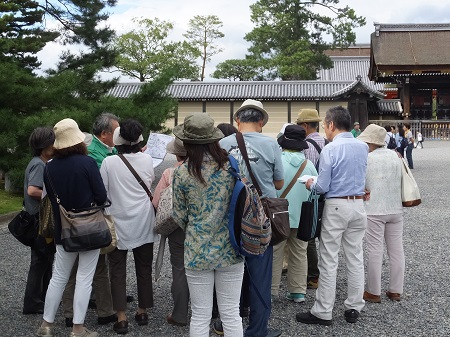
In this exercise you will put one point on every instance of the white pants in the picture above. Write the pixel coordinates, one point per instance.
(343, 221)
(297, 262)
(228, 282)
(61, 272)
(390, 228)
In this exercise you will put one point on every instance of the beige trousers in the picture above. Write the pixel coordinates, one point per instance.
(297, 261)
(388, 228)
(344, 221)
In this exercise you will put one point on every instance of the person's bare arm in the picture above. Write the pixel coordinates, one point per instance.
(34, 192)
(278, 184)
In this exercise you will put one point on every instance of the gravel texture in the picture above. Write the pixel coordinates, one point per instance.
(423, 311)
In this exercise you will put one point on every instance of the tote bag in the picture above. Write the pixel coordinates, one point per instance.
(410, 190)
(165, 224)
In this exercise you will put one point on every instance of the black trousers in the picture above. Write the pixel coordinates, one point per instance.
(39, 276)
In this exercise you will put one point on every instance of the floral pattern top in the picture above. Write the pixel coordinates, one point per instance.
(202, 210)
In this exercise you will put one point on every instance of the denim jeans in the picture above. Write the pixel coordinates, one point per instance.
(87, 261)
(409, 149)
(38, 279)
(228, 281)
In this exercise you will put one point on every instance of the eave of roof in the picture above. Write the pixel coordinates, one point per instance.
(363, 87)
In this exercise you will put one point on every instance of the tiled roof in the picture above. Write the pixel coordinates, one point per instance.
(362, 85)
(348, 68)
(264, 90)
(386, 107)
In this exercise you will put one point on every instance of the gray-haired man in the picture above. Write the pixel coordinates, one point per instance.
(265, 161)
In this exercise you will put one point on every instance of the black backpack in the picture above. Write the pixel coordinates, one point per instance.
(392, 144)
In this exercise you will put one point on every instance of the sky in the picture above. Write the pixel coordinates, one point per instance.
(235, 15)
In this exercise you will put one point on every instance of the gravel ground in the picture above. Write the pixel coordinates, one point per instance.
(423, 311)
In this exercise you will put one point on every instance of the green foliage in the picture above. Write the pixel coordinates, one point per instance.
(145, 53)
(202, 34)
(10, 202)
(291, 35)
(239, 70)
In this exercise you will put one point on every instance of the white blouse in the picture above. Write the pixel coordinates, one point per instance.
(383, 180)
(133, 213)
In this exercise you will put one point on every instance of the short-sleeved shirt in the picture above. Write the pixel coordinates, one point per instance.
(34, 176)
(264, 155)
(408, 136)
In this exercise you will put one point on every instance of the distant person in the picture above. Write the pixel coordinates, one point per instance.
(227, 129)
(342, 177)
(419, 140)
(309, 119)
(77, 182)
(409, 148)
(203, 186)
(293, 144)
(356, 131)
(384, 216)
(40, 272)
(402, 142)
(134, 221)
(179, 288)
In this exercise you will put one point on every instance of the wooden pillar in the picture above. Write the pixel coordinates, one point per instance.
(204, 106)
(231, 112)
(289, 111)
(406, 100)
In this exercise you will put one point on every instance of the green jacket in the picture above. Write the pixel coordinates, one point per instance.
(355, 133)
(100, 151)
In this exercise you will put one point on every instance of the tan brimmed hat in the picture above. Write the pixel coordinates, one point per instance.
(253, 104)
(176, 147)
(67, 134)
(373, 134)
(308, 116)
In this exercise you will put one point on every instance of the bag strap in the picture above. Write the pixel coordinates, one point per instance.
(314, 143)
(243, 149)
(294, 180)
(136, 175)
(58, 201)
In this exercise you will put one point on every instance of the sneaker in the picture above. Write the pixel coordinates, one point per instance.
(296, 297)
(308, 318)
(351, 315)
(85, 333)
(273, 333)
(218, 328)
(312, 284)
(47, 331)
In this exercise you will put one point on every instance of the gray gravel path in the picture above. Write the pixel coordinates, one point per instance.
(423, 311)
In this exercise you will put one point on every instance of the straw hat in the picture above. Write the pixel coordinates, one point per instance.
(373, 134)
(176, 147)
(198, 129)
(253, 104)
(67, 134)
(308, 116)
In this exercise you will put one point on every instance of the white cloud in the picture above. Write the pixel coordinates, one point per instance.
(235, 15)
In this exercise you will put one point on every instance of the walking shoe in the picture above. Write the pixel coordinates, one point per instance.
(85, 333)
(130, 298)
(371, 297)
(46, 331)
(296, 297)
(393, 296)
(170, 320)
(218, 327)
(273, 333)
(351, 315)
(121, 327)
(141, 319)
(312, 284)
(107, 319)
(308, 318)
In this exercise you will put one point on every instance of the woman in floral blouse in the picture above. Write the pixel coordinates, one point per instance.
(202, 191)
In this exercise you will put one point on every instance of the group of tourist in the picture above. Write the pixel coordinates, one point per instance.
(353, 174)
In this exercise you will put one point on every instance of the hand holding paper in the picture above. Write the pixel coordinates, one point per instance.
(303, 179)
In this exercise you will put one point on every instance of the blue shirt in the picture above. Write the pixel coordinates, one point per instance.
(342, 169)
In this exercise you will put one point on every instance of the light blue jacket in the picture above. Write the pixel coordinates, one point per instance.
(291, 163)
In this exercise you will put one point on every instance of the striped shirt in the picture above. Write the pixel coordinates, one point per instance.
(311, 152)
